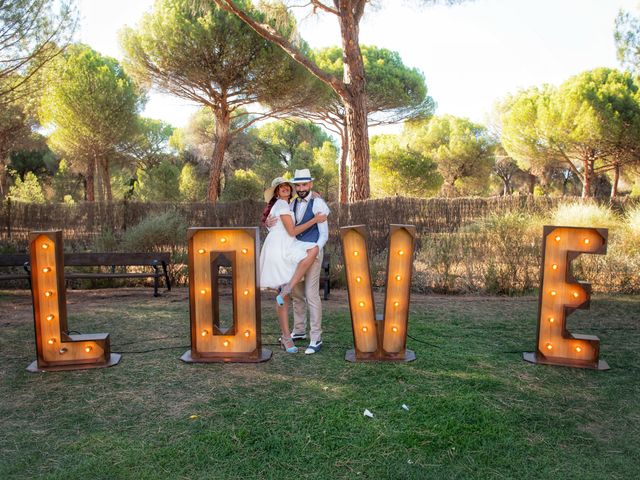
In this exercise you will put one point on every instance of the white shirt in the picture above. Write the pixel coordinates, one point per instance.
(319, 206)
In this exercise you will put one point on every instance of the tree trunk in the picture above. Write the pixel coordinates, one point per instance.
(532, 182)
(4, 189)
(106, 179)
(586, 178)
(223, 120)
(342, 172)
(355, 104)
(616, 179)
(90, 180)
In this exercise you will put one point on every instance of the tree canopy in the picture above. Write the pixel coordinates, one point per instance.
(590, 124)
(91, 105)
(394, 93)
(32, 33)
(463, 151)
(210, 57)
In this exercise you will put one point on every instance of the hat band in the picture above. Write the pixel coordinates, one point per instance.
(298, 179)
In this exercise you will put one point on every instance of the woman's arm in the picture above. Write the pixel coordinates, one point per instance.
(293, 230)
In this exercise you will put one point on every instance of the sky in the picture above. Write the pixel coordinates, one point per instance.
(471, 54)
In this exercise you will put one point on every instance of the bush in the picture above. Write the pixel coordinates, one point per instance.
(244, 185)
(161, 233)
(192, 187)
(27, 190)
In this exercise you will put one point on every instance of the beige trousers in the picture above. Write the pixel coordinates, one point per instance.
(306, 296)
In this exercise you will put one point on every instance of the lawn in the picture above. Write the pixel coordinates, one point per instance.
(476, 409)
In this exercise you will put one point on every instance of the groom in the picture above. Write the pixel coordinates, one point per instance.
(306, 294)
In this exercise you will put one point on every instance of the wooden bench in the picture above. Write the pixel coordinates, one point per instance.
(18, 263)
(158, 261)
(325, 273)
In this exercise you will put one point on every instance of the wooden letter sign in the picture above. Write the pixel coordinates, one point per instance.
(209, 249)
(56, 349)
(384, 337)
(561, 294)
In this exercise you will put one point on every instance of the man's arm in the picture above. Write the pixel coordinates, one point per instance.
(319, 206)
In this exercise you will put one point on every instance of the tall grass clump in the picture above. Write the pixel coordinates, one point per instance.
(618, 270)
(631, 232)
(582, 214)
(507, 251)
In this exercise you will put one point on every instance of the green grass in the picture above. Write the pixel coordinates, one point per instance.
(476, 409)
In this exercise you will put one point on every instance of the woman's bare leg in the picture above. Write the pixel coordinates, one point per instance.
(283, 320)
(283, 317)
(301, 269)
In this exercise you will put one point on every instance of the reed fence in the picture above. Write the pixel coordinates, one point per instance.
(83, 222)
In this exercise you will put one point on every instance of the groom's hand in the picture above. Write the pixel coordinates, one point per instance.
(270, 221)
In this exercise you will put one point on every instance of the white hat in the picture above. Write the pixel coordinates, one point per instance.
(302, 176)
(269, 192)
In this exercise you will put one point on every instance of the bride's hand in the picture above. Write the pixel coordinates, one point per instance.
(320, 217)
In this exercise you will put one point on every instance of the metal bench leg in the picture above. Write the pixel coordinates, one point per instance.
(156, 280)
(166, 276)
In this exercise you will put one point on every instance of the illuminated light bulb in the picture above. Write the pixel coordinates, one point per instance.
(45, 245)
(365, 329)
(203, 291)
(356, 253)
(361, 304)
(396, 304)
(553, 293)
(51, 341)
(225, 343)
(576, 294)
(245, 250)
(578, 349)
(398, 277)
(202, 250)
(400, 252)
(557, 238)
(50, 317)
(46, 270)
(204, 333)
(247, 334)
(358, 279)
(394, 329)
(223, 240)
(551, 319)
(586, 241)
(549, 346)
(88, 348)
(48, 294)
(246, 292)
(554, 266)
(62, 351)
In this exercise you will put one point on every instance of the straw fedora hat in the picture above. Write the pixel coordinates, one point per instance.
(269, 192)
(302, 176)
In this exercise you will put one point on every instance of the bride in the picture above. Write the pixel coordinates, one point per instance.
(284, 260)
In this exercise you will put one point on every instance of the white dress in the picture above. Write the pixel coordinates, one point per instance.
(281, 252)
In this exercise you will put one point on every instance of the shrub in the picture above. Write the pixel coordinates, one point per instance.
(192, 187)
(243, 185)
(27, 190)
(160, 233)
